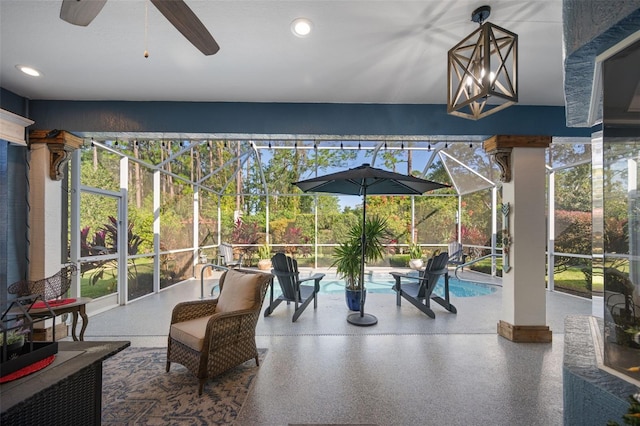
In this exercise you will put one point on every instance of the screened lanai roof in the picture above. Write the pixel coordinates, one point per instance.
(216, 162)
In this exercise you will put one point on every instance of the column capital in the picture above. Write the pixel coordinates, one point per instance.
(511, 141)
(500, 147)
(61, 144)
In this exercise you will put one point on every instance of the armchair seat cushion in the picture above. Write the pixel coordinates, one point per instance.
(191, 332)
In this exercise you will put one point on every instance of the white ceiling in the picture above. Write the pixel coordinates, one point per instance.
(359, 51)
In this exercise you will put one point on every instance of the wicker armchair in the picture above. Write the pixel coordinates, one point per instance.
(211, 336)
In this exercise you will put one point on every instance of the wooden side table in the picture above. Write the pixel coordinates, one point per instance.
(75, 308)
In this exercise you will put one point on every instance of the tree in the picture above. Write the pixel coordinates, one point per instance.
(573, 188)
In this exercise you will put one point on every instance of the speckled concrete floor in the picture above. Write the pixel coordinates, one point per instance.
(406, 370)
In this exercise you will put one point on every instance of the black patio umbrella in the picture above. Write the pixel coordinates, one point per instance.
(366, 180)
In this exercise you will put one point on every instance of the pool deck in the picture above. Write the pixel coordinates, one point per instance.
(408, 369)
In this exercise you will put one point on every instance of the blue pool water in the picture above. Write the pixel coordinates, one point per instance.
(382, 283)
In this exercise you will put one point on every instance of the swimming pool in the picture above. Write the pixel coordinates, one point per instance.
(382, 283)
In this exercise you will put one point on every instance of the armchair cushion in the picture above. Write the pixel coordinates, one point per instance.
(191, 332)
(239, 292)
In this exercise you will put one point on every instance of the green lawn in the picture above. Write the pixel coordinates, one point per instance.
(108, 283)
(571, 280)
(574, 281)
(102, 287)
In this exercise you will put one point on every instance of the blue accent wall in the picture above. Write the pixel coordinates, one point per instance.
(284, 118)
(11, 102)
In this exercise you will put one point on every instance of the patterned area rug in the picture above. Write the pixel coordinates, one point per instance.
(136, 390)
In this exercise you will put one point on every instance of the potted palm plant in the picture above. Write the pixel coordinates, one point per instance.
(348, 256)
(415, 256)
(264, 257)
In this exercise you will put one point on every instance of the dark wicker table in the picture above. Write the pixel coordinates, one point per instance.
(69, 391)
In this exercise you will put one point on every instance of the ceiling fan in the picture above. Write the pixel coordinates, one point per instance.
(82, 12)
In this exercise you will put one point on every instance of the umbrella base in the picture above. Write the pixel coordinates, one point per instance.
(362, 320)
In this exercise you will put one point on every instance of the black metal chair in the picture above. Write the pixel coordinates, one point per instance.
(285, 269)
(419, 291)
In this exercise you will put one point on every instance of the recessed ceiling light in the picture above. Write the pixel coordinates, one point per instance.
(301, 27)
(29, 70)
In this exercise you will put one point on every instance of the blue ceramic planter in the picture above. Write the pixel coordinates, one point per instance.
(353, 298)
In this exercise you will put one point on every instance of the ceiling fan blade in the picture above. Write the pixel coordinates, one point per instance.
(182, 17)
(80, 12)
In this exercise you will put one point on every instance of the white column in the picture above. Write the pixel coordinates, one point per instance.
(50, 152)
(521, 161)
(45, 216)
(523, 287)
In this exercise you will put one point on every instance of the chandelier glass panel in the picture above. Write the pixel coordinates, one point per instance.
(483, 72)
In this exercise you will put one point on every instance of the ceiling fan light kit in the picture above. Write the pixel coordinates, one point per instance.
(482, 70)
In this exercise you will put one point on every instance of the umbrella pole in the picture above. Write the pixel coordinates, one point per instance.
(361, 318)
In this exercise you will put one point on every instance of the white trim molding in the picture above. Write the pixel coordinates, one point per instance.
(12, 127)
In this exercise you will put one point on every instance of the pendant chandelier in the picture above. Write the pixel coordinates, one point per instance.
(482, 70)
